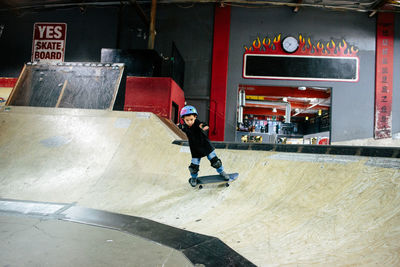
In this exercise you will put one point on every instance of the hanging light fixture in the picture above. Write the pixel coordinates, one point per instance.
(274, 110)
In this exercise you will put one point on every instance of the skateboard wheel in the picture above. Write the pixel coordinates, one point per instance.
(192, 182)
(200, 186)
(227, 184)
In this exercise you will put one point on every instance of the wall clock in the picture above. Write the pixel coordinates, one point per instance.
(290, 44)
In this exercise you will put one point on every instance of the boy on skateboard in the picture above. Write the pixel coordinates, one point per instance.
(199, 144)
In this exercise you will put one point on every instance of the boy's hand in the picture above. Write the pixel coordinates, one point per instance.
(204, 128)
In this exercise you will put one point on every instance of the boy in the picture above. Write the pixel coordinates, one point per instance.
(199, 144)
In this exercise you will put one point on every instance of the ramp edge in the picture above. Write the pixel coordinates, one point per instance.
(367, 151)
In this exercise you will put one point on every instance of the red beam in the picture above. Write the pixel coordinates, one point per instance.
(219, 72)
(269, 112)
(385, 32)
(263, 111)
(298, 104)
(293, 105)
(284, 91)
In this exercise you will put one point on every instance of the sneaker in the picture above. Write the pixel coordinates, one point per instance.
(193, 182)
(225, 175)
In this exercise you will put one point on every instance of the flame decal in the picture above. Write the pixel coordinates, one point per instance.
(309, 43)
(277, 39)
(344, 44)
(270, 45)
(266, 45)
(354, 50)
(258, 45)
(301, 38)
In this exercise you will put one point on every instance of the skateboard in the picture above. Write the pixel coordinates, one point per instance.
(214, 179)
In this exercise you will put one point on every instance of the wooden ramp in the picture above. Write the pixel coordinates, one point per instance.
(67, 85)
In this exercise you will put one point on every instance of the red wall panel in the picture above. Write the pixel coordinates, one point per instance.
(384, 75)
(219, 72)
(152, 94)
(8, 82)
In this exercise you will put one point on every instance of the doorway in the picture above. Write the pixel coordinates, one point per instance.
(283, 114)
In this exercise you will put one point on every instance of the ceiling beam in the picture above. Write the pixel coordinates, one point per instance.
(377, 6)
(152, 27)
(263, 111)
(10, 6)
(298, 102)
(282, 91)
(293, 106)
(8, 3)
(297, 4)
(297, 8)
(270, 112)
(145, 19)
(38, 5)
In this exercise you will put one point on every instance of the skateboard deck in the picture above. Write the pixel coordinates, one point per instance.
(214, 179)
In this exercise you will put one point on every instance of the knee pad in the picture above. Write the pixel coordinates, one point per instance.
(193, 168)
(216, 162)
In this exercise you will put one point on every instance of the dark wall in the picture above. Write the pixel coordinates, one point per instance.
(352, 103)
(189, 26)
(192, 31)
(87, 32)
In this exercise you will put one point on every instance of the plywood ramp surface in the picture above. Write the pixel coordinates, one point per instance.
(284, 210)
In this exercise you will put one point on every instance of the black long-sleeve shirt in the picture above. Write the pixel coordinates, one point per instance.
(199, 143)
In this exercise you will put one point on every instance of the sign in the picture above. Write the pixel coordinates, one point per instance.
(291, 67)
(384, 75)
(49, 42)
(333, 60)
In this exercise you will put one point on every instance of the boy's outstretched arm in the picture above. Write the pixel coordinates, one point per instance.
(203, 126)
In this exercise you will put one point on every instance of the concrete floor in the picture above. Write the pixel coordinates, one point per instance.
(81, 234)
(28, 241)
(285, 208)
